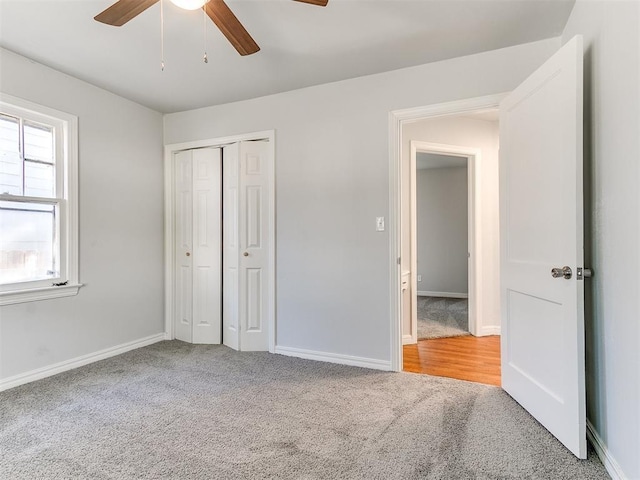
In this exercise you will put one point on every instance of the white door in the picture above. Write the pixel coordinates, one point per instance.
(197, 240)
(246, 274)
(541, 227)
(230, 248)
(183, 319)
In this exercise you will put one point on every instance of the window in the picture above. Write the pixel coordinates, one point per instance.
(38, 202)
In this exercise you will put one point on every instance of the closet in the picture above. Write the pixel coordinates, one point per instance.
(222, 241)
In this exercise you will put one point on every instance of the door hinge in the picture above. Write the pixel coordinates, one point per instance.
(398, 260)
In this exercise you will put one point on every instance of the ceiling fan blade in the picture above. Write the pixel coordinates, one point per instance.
(231, 27)
(123, 10)
(320, 3)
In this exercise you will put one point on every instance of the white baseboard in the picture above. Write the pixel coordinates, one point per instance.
(486, 331)
(408, 340)
(334, 358)
(60, 367)
(423, 293)
(610, 463)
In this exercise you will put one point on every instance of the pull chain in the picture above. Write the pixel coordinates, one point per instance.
(162, 35)
(204, 32)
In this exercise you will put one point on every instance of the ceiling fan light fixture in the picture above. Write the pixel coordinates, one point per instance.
(189, 4)
(217, 10)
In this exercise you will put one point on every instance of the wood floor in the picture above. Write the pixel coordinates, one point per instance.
(476, 359)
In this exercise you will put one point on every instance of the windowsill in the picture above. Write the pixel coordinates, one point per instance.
(34, 294)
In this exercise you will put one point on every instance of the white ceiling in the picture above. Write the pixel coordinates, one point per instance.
(302, 45)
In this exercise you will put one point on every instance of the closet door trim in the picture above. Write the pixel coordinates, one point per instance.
(169, 151)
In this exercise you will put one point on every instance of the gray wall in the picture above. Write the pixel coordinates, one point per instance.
(332, 181)
(441, 200)
(121, 227)
(612, 171)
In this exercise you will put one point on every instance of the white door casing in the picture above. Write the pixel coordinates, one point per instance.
(247, 246)
(172, 251)
(474, 240)
(197, 241)
(541, 227)
(397, 119)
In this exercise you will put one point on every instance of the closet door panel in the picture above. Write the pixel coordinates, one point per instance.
(207, 256)
(198, 261)
(230, 247)
(184, 243)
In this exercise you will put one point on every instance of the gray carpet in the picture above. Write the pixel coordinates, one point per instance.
(180, 411)
(440, 317)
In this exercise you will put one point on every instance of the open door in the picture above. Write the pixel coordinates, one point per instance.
(541, 228)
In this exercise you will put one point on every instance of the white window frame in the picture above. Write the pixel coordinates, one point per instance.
(66, 144)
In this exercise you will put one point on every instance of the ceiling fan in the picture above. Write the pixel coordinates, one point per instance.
(124, 10)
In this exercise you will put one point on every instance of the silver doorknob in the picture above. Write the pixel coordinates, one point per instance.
(246, 254)
(564, 272)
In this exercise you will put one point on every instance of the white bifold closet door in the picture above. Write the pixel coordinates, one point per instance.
(246, 269)
(198, 268)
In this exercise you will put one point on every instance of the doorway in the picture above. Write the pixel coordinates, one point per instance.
(254, 285)
(541, 129)
(450, 335)
(442, 236)
(468, 138)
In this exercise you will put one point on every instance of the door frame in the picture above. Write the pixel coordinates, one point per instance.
(474, 238)
(169, 213)
(397, 119)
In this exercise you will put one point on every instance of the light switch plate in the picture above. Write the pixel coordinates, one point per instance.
(379, 224)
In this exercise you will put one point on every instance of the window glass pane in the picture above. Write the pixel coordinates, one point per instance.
(27, 243)
(38, 142)
(38, 175)
(10, 161)
(38, 179)
(9, 134)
